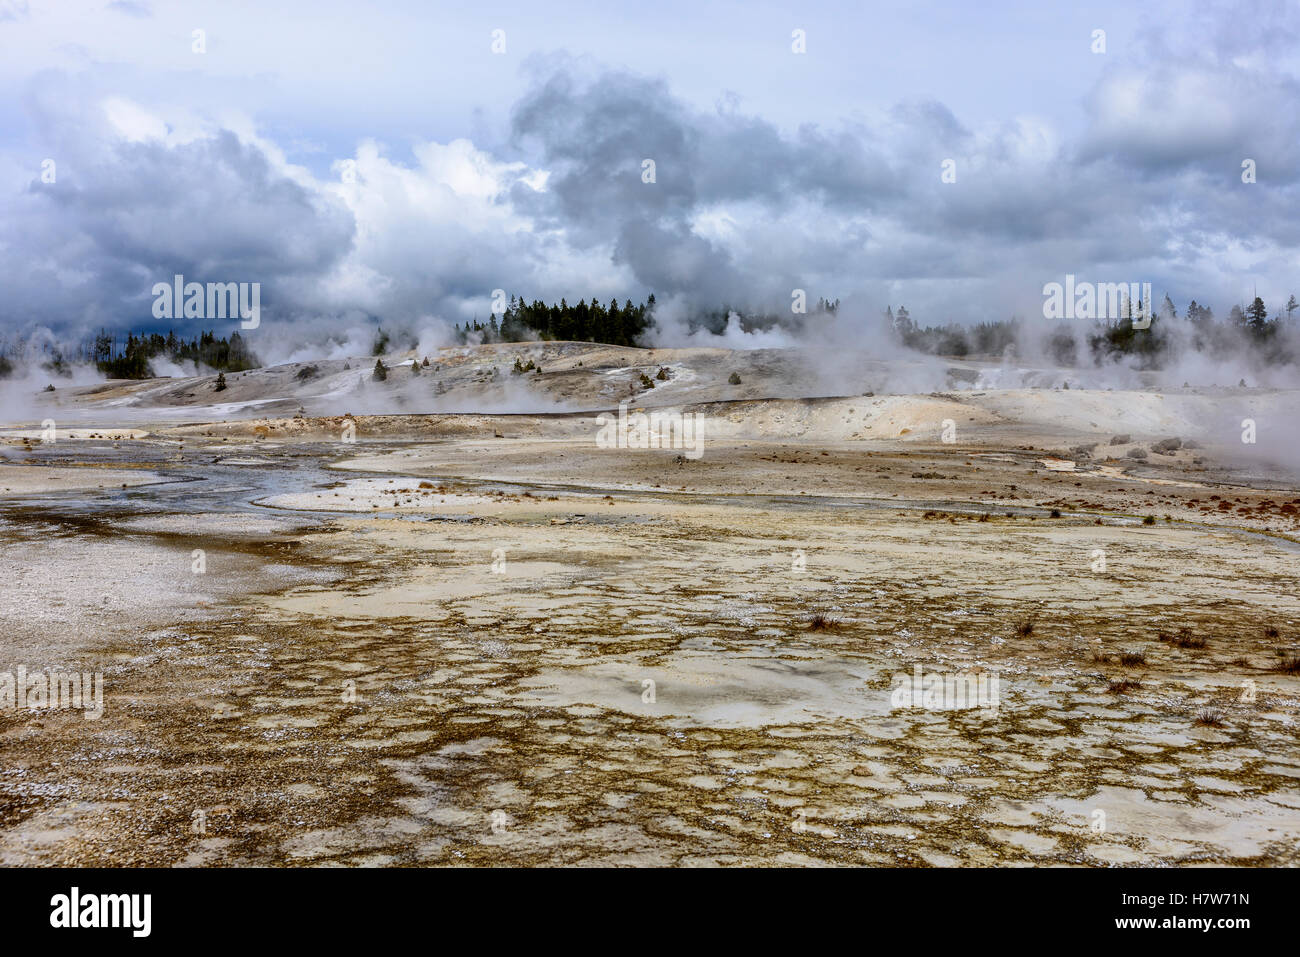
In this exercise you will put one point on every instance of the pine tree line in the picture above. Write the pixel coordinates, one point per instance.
(131, 360)
(1246, 327)
(585, 322)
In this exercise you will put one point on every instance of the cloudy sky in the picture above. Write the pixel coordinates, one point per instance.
(382, 159)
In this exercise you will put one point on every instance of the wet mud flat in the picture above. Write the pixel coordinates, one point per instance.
(413, 661)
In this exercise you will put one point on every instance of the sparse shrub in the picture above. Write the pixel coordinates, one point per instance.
(1210, 717)
(734, 378)
(1056, 513)
(1288, 664)
(1184, 639)
(1123, 686)
(823, 622)
(1132, 659)
(662, 376)
(1025, 628)
(1272, 632)
(307, 372)
(1149, 520)
(415, 367)
(646, 381)
(521, 367)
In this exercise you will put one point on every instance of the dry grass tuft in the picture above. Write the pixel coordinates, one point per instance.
(1288, 664)
(1210, 718)
(1184, 639)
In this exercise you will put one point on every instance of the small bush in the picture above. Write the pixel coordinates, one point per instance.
(307, 372)
(1149, 520)
(734, 378)
(662, 375)
(1288, 664)
(646, 381)
(1123, 686)
(823, 622)
(221, 383)
(1184, 639)
(381, 371)
(1210, 718)
(1132, 659)
(1025, 628)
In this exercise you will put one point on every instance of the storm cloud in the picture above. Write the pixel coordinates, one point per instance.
(1139, 177)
